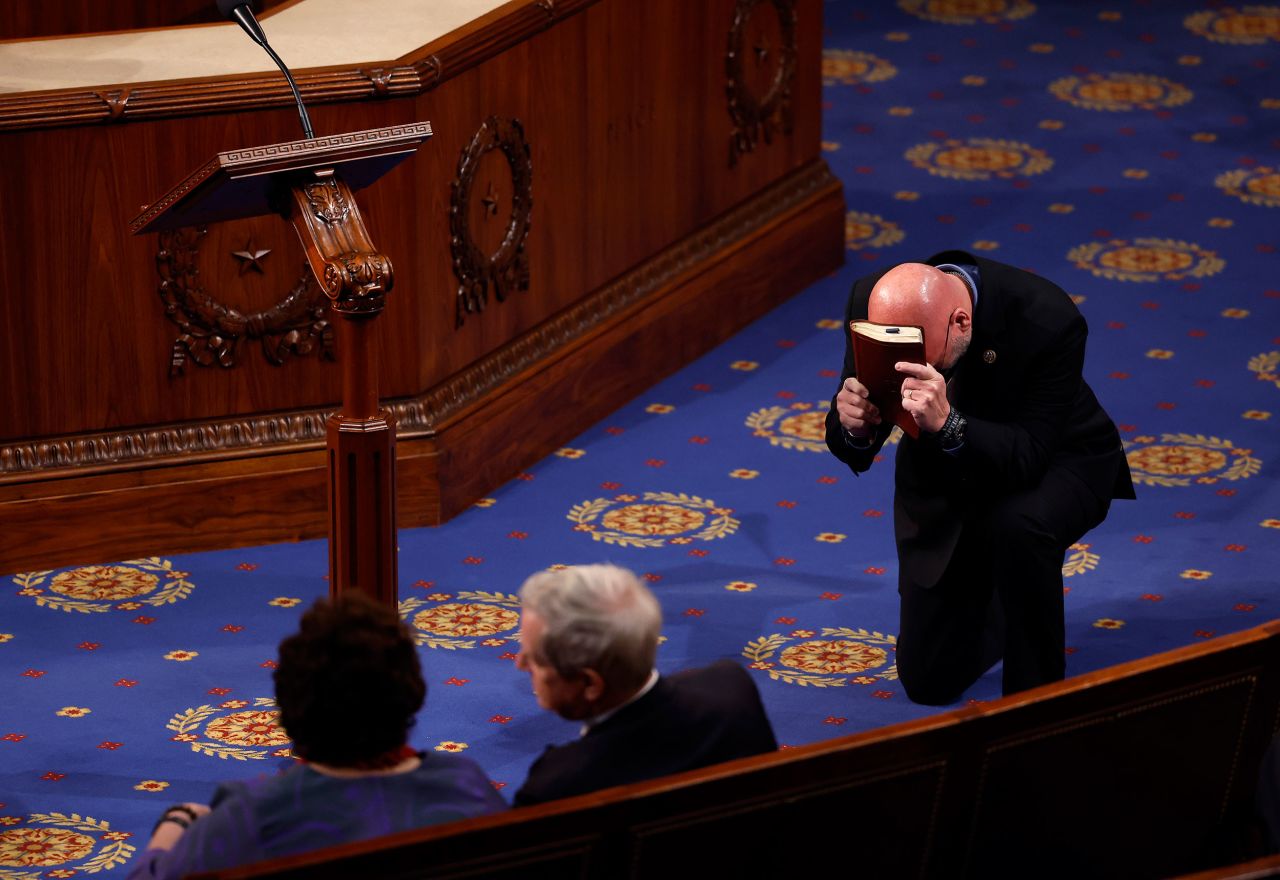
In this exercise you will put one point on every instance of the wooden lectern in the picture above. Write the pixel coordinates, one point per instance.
(311, 183)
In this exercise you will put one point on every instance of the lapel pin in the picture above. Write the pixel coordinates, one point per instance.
(989, 356)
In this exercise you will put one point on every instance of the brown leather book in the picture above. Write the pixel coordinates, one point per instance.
(876, 348)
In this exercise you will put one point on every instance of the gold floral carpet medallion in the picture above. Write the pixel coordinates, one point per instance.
(59, 845)
(979, 159)
(1146, 259)
(653, 520)
(870, 231)
(1266, 367)
(1257, 186)
(1186, 459)
(846, 67)
(1120, 91)
(237, 729)
(800, 426)
(123, 586)
(456, 624)
(1079, 560)
(842, 656)
(968, 11)
(1240, 26)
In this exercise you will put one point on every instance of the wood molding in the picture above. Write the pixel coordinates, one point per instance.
(413, 74)
(418, 416)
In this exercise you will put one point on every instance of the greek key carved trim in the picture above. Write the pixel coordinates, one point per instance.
(421, 415)
(297, 148)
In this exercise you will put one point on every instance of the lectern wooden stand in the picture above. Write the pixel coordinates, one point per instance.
(311, 183)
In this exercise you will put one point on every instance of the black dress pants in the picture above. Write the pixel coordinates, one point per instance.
(1000, 595)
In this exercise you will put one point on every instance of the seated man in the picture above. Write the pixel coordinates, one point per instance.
(588, 638)
(348, 685)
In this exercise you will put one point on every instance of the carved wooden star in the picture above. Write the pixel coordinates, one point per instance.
(762, 49)
(490, 202)
(251, 258)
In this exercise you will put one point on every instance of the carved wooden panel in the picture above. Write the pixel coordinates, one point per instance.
(643, 238)
(486, 251)
(761, 68)
(421, 414)
(212, 331)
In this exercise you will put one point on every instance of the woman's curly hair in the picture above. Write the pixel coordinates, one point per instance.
(348, 682)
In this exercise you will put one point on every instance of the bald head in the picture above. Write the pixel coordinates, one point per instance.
(920, 295)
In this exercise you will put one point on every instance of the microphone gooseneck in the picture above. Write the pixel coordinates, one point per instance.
(241, 13)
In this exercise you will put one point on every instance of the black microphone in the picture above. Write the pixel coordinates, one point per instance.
(242, 13)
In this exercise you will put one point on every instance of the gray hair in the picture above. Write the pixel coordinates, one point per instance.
(598, 617)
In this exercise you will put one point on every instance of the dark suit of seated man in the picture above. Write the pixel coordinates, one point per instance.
(588, 639)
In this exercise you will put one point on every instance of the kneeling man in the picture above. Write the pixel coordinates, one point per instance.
(588, 638)
(1014, 462)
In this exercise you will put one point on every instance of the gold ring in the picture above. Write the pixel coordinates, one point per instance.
(909, 397)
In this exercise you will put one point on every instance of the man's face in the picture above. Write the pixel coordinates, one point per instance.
(555, 693)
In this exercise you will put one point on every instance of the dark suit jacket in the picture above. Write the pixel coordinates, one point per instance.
(688, 720)
(1021, 388)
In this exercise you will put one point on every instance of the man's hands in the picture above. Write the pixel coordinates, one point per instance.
(924, 395)
(857, 414)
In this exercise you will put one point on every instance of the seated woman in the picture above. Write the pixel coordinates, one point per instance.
(348, 685)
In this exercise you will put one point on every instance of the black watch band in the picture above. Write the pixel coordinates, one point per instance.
(951, 435)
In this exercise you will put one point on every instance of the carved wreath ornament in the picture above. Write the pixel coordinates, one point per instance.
(759, 116)
(212, 331)
(507, 269)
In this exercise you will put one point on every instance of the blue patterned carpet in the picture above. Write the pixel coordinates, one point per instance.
(1127, 151)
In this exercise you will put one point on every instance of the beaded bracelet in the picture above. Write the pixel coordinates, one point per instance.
(167, 816)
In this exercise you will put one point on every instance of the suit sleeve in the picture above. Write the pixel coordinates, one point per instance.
(1013, 454)
(540, 784)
